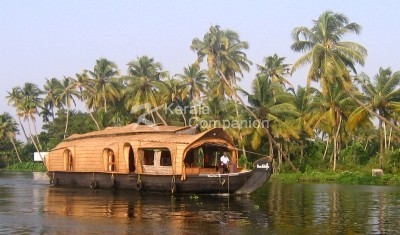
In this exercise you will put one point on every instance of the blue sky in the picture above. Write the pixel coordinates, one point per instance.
(45, 39)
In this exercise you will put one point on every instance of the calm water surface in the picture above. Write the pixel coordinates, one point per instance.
(29, 206)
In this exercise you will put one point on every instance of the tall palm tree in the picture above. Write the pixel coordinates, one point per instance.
(225, 60)
(302, 103)
(383, 97)
(275, 68)
(209, 47)
(103, 75)
(85, 88)
(330, 113)
(52, 90)
(329, 56)
(224, 52)
(28, 109)
(66, 98)
(15, 99)
(143, 83)
(255, 116)
(194, 81)
(171, 93)
(272, 104)
(8, 129)
(31, 102)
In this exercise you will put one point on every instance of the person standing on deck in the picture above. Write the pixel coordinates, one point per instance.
(224, 162)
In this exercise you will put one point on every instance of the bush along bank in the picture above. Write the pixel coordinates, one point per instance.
(27, 166)
(344, 177)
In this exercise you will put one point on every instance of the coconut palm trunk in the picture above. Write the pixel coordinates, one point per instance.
(237, 115)
(36, 133)
(66, 123)
(326, 148)
(336, 144)
(23, 128)
(34, 143)
(161, 118)
(15, 148)
(381, 145)
(91, 115)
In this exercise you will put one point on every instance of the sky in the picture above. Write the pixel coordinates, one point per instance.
(46, 38)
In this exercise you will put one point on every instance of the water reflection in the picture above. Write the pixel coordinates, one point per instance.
(29, 206)
(154, 213)
(331, 208)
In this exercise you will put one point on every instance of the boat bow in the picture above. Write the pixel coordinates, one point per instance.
(260, 174)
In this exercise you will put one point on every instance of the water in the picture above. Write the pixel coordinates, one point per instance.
(29, 206)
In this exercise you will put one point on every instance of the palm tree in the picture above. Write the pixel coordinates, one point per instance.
(143, 83)
(383, 97)
(103, 75)
(224, 52)
(52, 89)
(15, 98)
(271, 104)
(330, 58)
(330, 113)
(194, 81)
(225, 59)
(208, 47)
(274, 68)
(28, 109)
(66, 98)
(85, 88)
(8, 129)
(302, 103)
(218, 109)
(171, 94)
(31, 102)
(254, 115)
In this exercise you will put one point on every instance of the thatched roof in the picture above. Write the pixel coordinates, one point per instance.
(134, 129)
(157, 134)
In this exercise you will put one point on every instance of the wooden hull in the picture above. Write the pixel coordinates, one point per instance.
(212, 183)
(240, 183)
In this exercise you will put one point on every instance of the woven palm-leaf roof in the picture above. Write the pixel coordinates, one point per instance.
(134, 129)
(156, 134)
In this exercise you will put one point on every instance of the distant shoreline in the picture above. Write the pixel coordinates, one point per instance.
(345, 177)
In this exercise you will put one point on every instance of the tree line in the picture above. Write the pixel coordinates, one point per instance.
(299, 126)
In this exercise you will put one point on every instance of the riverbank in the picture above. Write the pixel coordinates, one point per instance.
(345, 177)
(27, 166)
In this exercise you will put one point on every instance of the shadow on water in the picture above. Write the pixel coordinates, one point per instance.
(29, 205)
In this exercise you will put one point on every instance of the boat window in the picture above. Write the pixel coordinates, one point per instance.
(68, 160)
(111, 160)
(148, 157)
(165, 159)
(129, 155)
(157, 157)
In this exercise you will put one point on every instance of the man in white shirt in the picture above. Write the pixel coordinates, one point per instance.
(224, 162)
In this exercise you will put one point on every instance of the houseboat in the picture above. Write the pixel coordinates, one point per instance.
(154, 158)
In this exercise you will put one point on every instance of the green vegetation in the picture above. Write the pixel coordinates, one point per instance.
(347, 123)
(27, 166)
(344, 177)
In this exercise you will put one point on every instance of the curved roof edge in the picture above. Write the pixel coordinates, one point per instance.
(135, 129)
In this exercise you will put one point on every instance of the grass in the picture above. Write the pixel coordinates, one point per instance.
(27, 166)
(344, 177)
